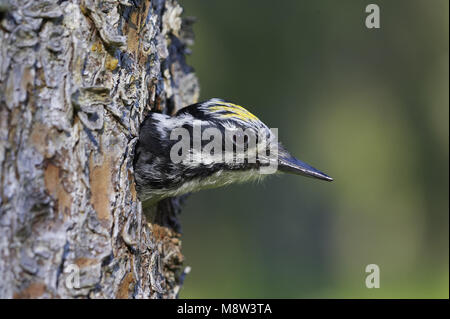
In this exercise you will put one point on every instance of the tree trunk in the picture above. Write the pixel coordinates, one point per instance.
(76, 80)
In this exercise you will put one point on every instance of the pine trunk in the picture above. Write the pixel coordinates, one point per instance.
(76, 80)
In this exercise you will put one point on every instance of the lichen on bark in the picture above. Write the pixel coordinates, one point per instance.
(76, 80)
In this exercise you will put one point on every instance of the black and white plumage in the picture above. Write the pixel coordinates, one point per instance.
(158, 177)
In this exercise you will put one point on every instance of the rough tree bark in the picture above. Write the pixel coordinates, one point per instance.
(76, 80)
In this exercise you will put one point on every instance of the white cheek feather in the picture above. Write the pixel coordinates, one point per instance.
(168, 123)
(163, 122)
(179, 121)
(218, 179)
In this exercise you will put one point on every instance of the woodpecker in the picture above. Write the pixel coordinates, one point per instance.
(165, 166)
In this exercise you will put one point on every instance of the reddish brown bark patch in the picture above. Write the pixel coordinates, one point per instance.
(34, 290)
(52, 179)
(126, 286)
(100, 180)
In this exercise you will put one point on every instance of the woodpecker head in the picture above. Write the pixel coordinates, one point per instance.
(207, 145)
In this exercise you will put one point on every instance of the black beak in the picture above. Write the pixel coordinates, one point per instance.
(290, 164)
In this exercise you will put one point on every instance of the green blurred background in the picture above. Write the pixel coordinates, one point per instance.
(368, 107)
